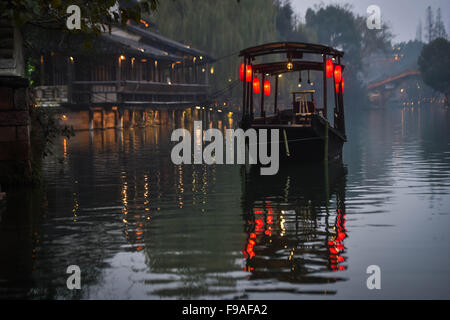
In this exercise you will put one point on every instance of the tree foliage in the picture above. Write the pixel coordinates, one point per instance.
(439, 28)
(337, 26)
(289, 28)
(220, 28)
(435, 27)
(434, 64)
(95, 14)
(223, 28)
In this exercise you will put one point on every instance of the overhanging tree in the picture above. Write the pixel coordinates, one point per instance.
(95, 14)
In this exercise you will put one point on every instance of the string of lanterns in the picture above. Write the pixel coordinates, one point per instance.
(332, 70)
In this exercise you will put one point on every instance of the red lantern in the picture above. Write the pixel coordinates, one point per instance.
(329, 68)
(267, 88)
(249, 73)
(342, 86)
(337, 74)
(256, 86)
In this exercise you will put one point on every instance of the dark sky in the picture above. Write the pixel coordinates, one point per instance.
(402, 15)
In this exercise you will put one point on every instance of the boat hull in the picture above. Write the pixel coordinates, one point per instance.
(307, 143)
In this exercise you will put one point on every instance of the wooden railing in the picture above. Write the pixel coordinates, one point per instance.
(134, 91)
(51, 96)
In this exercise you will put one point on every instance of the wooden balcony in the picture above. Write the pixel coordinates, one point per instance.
(136, 93)
(51, 96)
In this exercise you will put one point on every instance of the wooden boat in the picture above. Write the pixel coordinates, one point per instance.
(305, 132)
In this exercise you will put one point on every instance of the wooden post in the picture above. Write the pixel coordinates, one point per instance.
(132, 117)
(326, 144)
(119, 119)
(52, 64)
(251, 93)
(294, 115)
(341, 111)
(144, 118)
(118, 77)
(336, 105)
(91, 119)
(195, 67)
(244, 105)
(157, 117)
(69, 80)
(325, 94)
(327, 185)
(286, 143)
(263, 77)
(183, 73)
(103, 120)
(248, 86)
(325, 162)
(42, 70)
(275, 108)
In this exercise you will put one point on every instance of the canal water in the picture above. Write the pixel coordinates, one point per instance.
(140, 227)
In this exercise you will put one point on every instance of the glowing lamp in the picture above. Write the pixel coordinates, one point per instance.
(334, 251)
(248, 73)
(267, 88)
(290, 65)
(329, 68)
(337, 74)
(343, 85)
(256, 86)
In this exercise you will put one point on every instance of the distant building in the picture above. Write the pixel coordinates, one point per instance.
(130, 66)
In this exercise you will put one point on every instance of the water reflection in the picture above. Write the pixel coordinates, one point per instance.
(295, 224)
(140, 227)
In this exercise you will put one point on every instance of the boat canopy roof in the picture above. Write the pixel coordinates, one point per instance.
(274, 68)
(293, 48)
